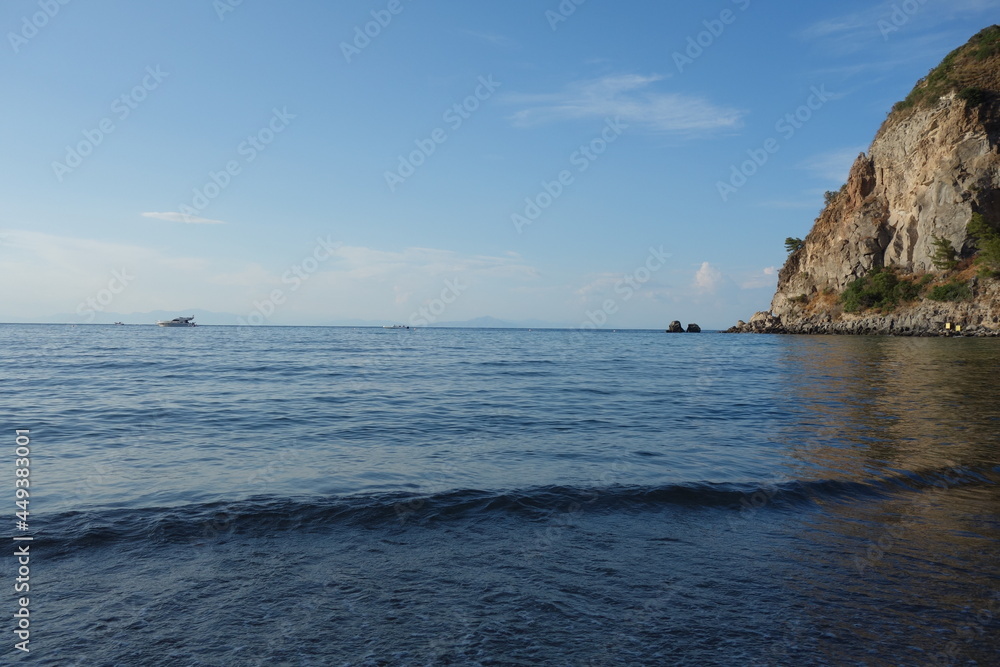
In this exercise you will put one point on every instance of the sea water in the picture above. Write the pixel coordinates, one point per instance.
(339, 496)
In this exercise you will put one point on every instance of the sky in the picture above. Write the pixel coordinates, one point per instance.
(581, 163)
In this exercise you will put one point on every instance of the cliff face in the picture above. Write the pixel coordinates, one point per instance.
(934, 163)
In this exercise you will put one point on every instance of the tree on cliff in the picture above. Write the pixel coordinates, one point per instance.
(792, 244)
(986, 239)
(944, 257)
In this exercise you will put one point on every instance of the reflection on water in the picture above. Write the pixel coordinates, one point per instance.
(910, 403)
(917, 565)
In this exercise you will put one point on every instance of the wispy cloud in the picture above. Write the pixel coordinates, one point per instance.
(630, 96)
(890, 21)
(172, 216)
(833, 165)
(848, 32)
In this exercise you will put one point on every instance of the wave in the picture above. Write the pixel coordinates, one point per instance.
(261, 516)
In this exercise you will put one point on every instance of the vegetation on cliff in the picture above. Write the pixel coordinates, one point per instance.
(986, 239)
(883, 289)
(912, 239)
(945, 257)
(953, 290)
(967, 70)
(792, 244)
(886, 289)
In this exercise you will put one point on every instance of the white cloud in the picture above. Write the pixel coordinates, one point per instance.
(770, 271)
(708, 278)
(172, 216)
(628, 96)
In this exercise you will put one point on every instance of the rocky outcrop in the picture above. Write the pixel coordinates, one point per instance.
(677, 327)
(932, 165)
(761, 322)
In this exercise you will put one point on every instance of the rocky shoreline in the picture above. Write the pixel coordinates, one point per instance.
(907, 324)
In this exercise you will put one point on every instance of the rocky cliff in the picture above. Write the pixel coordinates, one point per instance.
(933, 164)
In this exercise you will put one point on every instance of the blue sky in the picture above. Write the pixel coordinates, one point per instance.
(413, 161)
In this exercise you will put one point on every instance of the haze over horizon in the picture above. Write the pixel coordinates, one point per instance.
(576, 161)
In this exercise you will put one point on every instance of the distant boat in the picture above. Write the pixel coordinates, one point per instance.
(395, 326)
(119, 324)
(178, 322)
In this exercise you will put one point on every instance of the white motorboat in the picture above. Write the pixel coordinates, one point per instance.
(177, 322)
(395, 326)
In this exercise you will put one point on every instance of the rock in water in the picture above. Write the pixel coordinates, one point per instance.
(675, 327)
(694, 328)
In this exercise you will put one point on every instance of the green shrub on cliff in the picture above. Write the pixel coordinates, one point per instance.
(986, 43)
(951, 291)
(973, 96)
(881, 289)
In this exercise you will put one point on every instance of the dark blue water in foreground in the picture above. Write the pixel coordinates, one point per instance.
(317, 496)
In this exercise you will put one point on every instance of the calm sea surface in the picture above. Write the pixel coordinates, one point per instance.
(335, 496)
